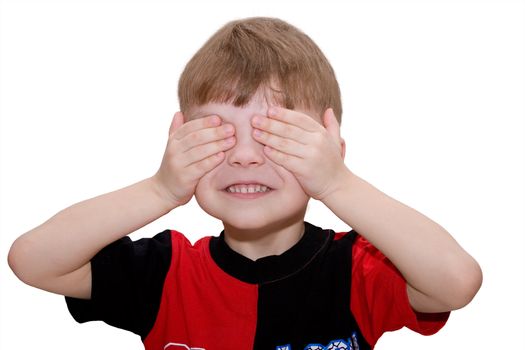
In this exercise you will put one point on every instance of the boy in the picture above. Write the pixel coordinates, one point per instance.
(256, 138)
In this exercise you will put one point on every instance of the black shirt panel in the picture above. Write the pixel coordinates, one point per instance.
(273, 267)
(127, 283)
(312, 306)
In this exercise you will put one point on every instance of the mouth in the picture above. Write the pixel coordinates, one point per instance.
(248, 191)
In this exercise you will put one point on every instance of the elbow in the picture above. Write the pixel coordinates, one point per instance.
(465, 285)
(14, 256)
(17, 260)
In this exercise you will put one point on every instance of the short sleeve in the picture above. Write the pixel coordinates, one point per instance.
(379, 299)
(127, 282)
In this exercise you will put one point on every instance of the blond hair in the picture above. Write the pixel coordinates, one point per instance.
(247, 55)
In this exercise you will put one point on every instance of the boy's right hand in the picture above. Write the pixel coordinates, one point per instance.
(194, 148)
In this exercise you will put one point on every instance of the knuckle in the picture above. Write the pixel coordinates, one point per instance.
(198, 166)
(283, 158)
(194, 138)
(206, 164)
(288, 130)
(283, 143)
(201, 166)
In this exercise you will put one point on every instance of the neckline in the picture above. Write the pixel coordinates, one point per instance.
(274, 267)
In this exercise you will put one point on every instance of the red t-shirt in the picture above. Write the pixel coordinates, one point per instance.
(379, 299)
(208, 296)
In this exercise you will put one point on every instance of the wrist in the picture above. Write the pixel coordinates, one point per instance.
(340, 182)
(162, 194)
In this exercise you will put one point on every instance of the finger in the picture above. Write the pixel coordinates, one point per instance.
(288, 161)
(197, 169)
(296, 118)
(190, 126)
(280, 128)
(176, 122)
(331, 124)
(202, 152)
(281, 144)
(204, 136)
(334, 129)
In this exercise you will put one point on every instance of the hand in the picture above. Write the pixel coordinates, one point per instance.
(313, 152)
(194, 148)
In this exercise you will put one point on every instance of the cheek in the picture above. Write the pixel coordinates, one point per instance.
(203, 186)
(204, 197)
(286, 176)
(206, 191)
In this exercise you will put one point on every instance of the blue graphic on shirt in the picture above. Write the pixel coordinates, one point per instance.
(354, 341)
(284, 347)
(339, 344)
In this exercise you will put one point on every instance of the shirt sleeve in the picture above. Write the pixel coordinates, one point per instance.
(379, 299)
(127, 282)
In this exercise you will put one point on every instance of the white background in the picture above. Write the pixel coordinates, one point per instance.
(433, 99)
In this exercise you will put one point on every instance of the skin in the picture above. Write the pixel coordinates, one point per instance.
(266, 226)
(300, 156)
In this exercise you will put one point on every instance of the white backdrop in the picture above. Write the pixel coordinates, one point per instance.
(433, 99)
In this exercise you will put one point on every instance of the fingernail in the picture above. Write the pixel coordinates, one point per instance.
(256, 121)
(272, 110)
(228, 128)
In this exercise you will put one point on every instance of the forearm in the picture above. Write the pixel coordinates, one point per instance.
(427, 256)
(69, 240)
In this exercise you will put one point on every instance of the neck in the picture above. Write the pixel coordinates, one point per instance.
(272, 239)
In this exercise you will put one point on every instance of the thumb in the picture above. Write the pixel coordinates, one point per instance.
(178, 120)
(331, 124)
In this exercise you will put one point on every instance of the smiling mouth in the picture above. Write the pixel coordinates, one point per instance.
(248, 189)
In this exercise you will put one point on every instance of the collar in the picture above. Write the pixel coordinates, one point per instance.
(274, 267)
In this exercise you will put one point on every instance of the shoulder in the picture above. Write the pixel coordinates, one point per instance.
(379, 299)
(181, 243)
(365, 255)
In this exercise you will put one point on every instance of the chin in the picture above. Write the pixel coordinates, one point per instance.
(255, 220)
(240, 219)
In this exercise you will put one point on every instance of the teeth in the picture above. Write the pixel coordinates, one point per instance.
(247, 188)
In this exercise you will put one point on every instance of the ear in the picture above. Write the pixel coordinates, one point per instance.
(332, 125)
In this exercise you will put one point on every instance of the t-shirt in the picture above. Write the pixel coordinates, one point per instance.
(329, 291)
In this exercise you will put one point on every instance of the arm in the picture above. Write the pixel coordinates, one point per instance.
(55, 256)
(440, 275)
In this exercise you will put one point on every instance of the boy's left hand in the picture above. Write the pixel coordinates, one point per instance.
(312, 153)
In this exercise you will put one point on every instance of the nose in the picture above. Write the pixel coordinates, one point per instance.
(246, 152)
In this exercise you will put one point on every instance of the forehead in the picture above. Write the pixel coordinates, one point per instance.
(227, 111)
(258, 105)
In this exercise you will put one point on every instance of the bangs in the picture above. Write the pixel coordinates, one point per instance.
(260, 55)
(237, 81)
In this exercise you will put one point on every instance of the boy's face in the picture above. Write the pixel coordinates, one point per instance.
(247, 169)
